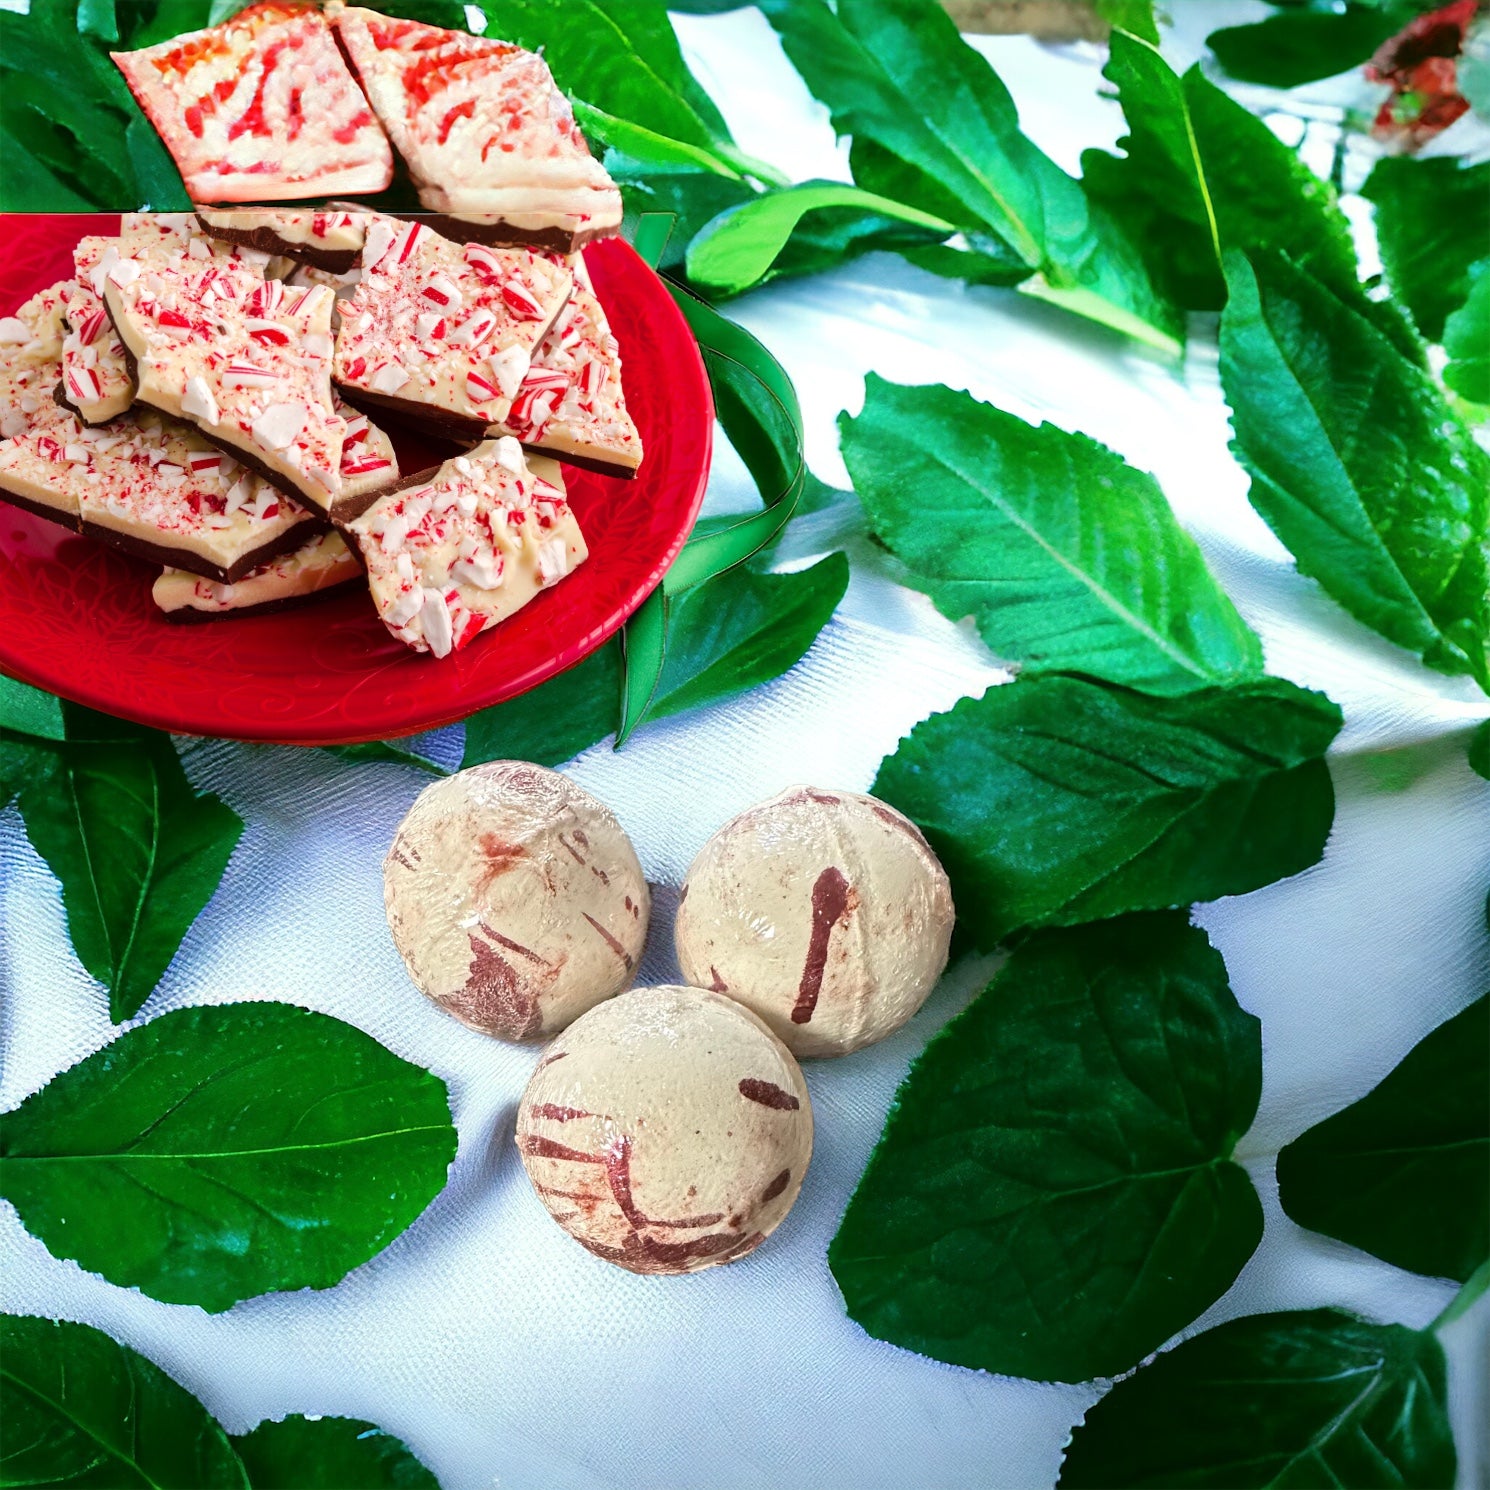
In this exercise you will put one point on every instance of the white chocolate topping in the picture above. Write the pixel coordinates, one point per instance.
(331, 228)
(481, 124)
(570, 401)
(454, 555)
(247, 359)
(260, 108)
(31, 357)
(448, 326)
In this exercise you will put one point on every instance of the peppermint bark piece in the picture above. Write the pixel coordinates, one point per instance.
(456, 550)
(31, 356)
(97, 379)
(246, 360)
(443, 333)
(328, 238)
(321, 563)
(489, 139)
(571, 404)
(155, 488)
(260, 109)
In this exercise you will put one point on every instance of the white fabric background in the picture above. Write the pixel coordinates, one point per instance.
(502, 1352)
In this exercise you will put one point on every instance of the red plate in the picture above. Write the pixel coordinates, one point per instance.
(76, 618)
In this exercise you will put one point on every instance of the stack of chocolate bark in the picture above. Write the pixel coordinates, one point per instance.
(199, 392)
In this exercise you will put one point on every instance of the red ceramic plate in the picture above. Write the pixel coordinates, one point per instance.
(76, 617)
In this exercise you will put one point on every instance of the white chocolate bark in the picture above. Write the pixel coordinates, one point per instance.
(667, 1130)
(448, 328)
(449, 557)
(31, 357)
(571, 403)
(150, 485)
(321, 563)
(96, 379)
(515, 899)
(328, 229)
(245, 359)
(260, 108)
(340, 285)
(482, 126)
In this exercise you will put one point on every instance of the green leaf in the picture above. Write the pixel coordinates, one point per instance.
(725, 637)
(81, 1409)
(21, 761)
(646, 146)
(1405, 1172)
(1201, 174)
(97, 18)
(138, 852)
(1134, 16)
(299, 1453)
(622, 59)
(1479, 751)
(1054, 1193)
(1358, 465)
(896, 73)
(1055, 800)
(26, 185)
(552, 723)
(171, 18)
(387, 750)
(738, 248)
(30, 711)
(692, 197)
(1068, 558)
(1432, 224)
(1312, 1397)
(1301, 46)
(217, 1153)
(159, 183)
(1466, 338)
(972, 266)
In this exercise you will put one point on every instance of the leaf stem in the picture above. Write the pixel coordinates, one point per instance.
(1463, 1301)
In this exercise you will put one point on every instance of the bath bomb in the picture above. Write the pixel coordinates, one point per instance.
(515, 899)
(667, 1130)
(823, 911)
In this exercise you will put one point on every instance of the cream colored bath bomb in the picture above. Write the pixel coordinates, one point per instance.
(667, 1130)
(515, 899)
(824, 911)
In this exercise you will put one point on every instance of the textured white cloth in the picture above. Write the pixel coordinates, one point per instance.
(501, 1351)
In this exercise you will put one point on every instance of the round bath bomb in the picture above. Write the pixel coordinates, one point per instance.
(667, 1130)
(515, 899)
(824, 911)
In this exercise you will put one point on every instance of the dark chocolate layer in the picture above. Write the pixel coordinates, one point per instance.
(583, 462)
(266, 240)
(52, 514)
(504, 235)
(180, 558)
(426, 419)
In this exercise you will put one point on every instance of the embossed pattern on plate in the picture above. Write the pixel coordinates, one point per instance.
(76, 618)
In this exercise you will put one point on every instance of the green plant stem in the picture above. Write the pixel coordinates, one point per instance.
(1463, 1301)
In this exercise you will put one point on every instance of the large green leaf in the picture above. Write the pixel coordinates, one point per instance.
(1054, 1193)
(1067, 557)
(30, 711)
(1358, 465)
(1301, 45)
(137, 850)
(1201, 174)
(1432, 223)
(730, 635)
(1054, 800)
(391, 752)
(79, 1409)
(216, 1153)
(896, 73)
(1308, 1398)
(1466, 338)
(299, 1453)
(740, 246)
(1405, 1172)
